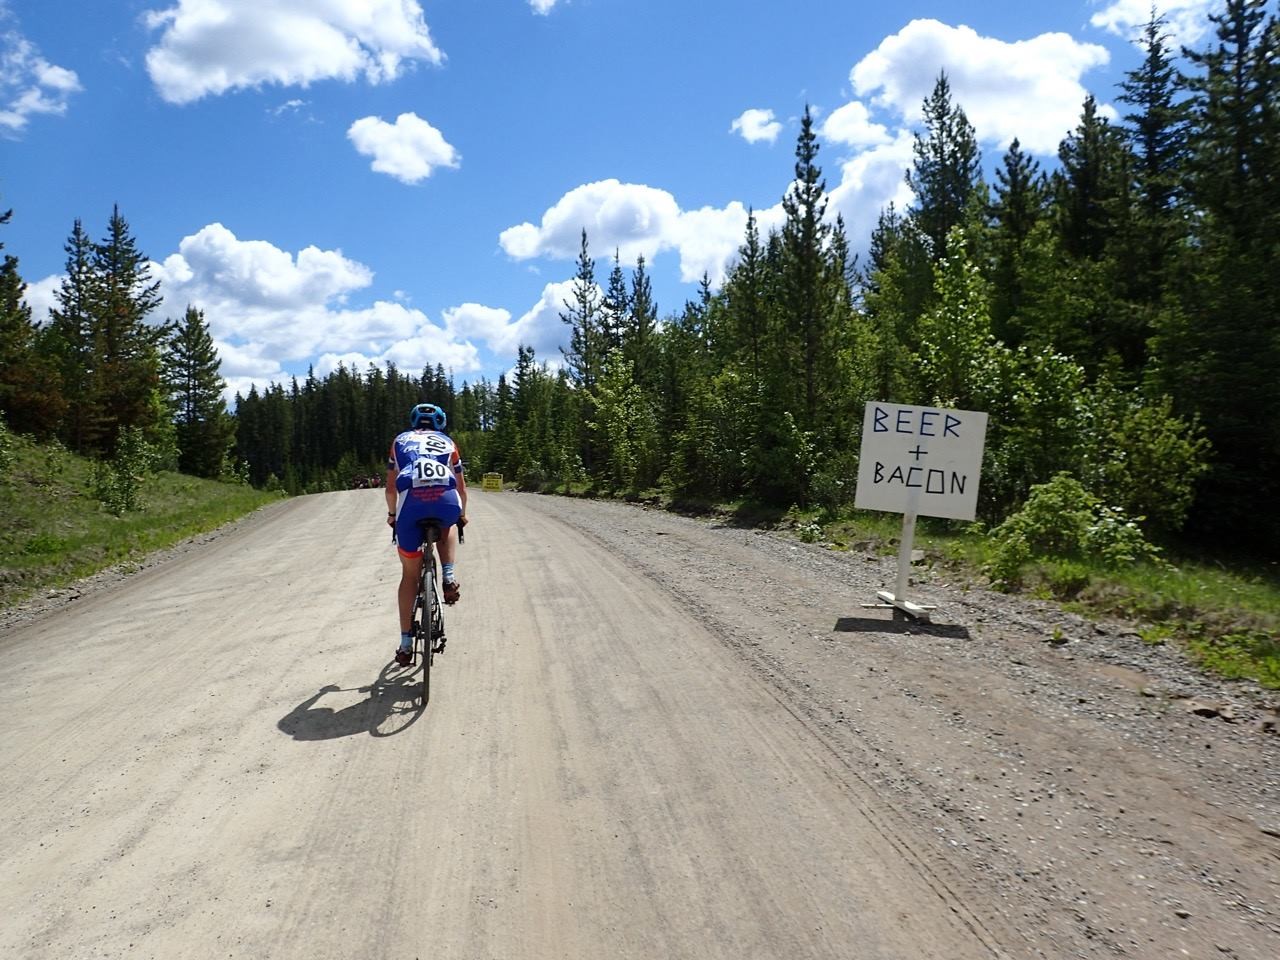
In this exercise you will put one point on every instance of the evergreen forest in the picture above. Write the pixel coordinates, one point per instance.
(1117, 316)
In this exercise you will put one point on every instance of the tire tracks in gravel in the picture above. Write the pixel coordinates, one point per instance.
(1086, 830)
(951, 886)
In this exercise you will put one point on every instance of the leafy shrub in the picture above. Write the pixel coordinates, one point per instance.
(235, 472)
(1142, 457)
(117, 482)
(1116, 538)
(834, 484)
(810, 532)
(1061, 520)
(531, 476)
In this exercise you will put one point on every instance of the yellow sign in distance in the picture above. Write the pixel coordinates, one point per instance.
(491, 481)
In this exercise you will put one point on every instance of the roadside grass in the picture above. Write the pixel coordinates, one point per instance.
(1226, 617)
(55, 530)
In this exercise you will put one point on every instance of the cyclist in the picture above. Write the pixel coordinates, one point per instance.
(424, 479)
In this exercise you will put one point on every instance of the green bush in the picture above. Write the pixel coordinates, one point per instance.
(1141, 457)
(810, 531)
(834, 484)
(118, 482)
(1066, 579)
(1061, 520)
(531, 476)
(782, 461)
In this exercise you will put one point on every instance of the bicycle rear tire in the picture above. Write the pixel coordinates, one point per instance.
(427, 624)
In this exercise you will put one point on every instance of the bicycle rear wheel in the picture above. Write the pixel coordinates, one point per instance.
(425, 639)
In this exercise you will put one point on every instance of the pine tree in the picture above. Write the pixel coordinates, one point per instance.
(642, 322)
(745, 295)
(67, 339)
(892, 301)
(946, 167)
(801, 366)
(1092, 217)
(614, 309)
(1156, 134)
(1233, 102)
(248, 445)
(1090, 185)
(123, 387)
(1021, 195)
(583, 315)
(205, 431)
(1219, 352)
(584, 357)
(30, 399)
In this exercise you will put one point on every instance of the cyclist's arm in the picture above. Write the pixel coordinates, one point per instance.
(462, 493)
(390, 488)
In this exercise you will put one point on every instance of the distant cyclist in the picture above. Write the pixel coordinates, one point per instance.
(424, 479)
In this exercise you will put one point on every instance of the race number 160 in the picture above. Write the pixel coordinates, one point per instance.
(428, 473)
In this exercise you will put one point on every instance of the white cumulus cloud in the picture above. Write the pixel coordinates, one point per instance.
(708, 238)
(29, 84)
(632, 218)
(851, 125)
(542, 6)
(1186, 21)
(637, 220)
(272, 311)
(869, 182)
(468, 327)
(42, 296)
(212, 46)
(755, 125)
(539, 327)
(408, 149)
(1029, 89)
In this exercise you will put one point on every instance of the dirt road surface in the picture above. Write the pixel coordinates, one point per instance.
(649, 737)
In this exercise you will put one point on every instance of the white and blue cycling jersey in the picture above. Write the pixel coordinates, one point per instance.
(427, 465)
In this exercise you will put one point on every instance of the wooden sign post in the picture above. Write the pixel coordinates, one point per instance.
(918, 461)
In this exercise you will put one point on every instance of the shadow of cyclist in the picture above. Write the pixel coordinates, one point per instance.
(393, 705)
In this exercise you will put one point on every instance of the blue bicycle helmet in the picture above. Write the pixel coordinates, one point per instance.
(427, 415)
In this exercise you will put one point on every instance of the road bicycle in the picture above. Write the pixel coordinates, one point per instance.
(428, 619)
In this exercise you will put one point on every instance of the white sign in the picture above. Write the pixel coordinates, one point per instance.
(921, 460)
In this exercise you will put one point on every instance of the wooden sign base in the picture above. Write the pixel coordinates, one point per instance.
(898, 598)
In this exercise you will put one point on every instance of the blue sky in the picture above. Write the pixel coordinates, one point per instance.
(406, 180)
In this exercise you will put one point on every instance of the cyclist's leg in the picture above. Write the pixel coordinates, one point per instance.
(448, 511)
(448, 544)
(409, 547)
(410, 570)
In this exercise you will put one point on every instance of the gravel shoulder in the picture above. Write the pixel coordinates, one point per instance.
(1057, 763)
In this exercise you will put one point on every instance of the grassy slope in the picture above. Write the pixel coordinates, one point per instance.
(54, 530)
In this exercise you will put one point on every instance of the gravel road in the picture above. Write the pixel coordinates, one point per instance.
(650, 736)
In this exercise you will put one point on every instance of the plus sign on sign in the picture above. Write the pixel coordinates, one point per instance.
(921, 460)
